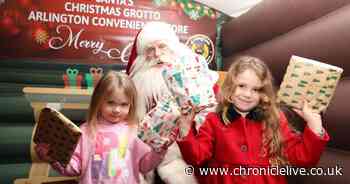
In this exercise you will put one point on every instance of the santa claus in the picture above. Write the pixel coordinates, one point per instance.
(155, 46)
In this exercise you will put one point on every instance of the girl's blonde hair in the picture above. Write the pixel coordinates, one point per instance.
(271, 139)
(106, 86)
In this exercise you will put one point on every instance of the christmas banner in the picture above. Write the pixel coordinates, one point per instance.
(97, 31)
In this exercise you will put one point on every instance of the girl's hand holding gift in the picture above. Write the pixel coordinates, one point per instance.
(42, 150)
(185, 122)
(313, 119)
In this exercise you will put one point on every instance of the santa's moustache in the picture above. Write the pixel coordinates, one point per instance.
(149, 83)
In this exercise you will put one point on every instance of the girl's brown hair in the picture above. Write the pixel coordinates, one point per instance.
(271, 139)
(106, 86)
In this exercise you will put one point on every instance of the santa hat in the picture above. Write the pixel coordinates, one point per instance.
(152, 31)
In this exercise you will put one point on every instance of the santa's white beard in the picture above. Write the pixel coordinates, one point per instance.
(150, 87)
(148, 79)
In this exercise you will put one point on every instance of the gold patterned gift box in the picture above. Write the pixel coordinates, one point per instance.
(311, 80)
(59, 132)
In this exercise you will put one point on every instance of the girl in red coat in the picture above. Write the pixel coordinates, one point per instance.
(248, 139)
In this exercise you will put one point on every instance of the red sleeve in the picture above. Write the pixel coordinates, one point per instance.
(216, 88)
(198, 148)
(302, 150)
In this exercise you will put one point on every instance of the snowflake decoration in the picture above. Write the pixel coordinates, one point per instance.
(41, 36)
(194, 15)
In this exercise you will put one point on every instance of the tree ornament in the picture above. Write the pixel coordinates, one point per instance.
(40, 36)
(6, 22)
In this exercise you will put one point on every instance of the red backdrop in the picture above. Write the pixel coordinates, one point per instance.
(93, 32)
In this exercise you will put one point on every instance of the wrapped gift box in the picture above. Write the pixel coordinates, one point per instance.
(191, 83)
(59, 132)
(158, 126)
(311, 80)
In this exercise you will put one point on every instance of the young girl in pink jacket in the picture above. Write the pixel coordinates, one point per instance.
(109, 151)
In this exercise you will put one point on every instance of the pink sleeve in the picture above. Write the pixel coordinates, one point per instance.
(147, 159)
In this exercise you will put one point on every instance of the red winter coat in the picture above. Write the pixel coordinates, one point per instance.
(239, 144)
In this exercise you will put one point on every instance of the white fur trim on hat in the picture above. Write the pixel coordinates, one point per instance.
(155, 31)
